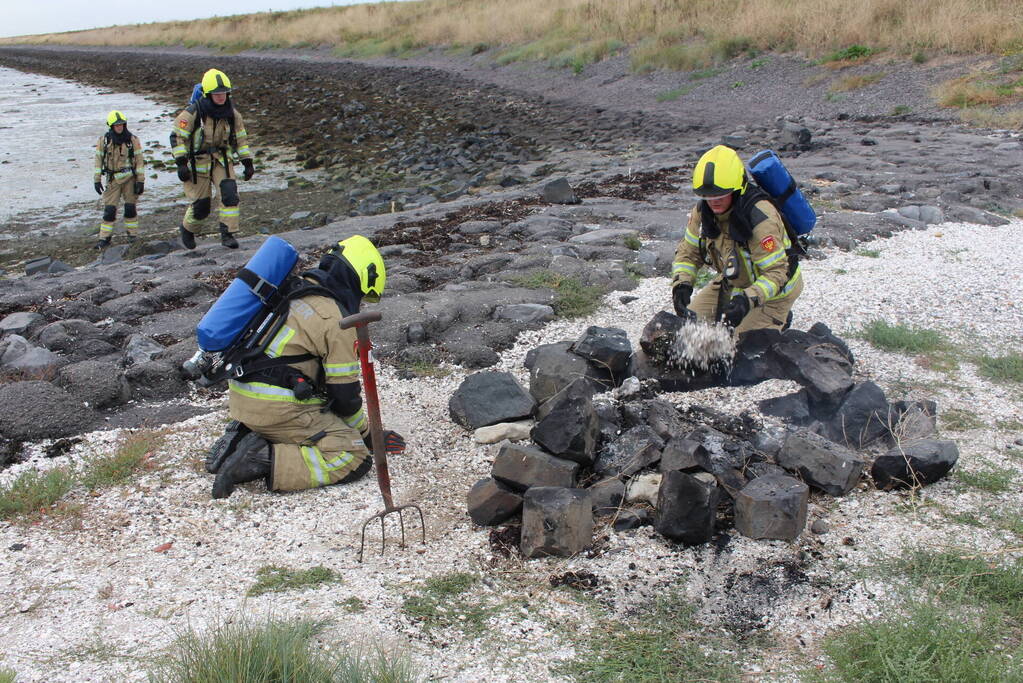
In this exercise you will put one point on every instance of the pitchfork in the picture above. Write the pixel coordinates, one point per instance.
(360, 322)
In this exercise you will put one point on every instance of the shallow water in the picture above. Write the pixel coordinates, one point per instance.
(48, 133)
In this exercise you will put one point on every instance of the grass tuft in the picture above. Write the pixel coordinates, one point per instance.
(673, 94)
(903, 338)
(133, 454)
(850, 83)
(970, 580)
(444, 602)
(1008, 368)
(32, 493)
(572, 299)
(660, 644)
(8, 676)
(270, 652)
(959, 420)
(275, 579)
(994, 480)
(849, 54)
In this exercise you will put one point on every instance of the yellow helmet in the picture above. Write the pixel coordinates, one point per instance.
(719, 172)
(366, 261)
(115, 117)
(215, 80)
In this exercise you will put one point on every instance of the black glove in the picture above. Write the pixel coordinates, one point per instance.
(139, 187)
(394, 443)
(184, 173)
(680, 296)
(736, 309)
(250, 170)
(99, 187)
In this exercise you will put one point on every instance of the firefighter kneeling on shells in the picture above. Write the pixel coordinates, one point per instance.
(208, 136)
(300, 443)
(120, 162)
(736, 230)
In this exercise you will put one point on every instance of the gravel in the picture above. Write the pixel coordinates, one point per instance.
(97, 597)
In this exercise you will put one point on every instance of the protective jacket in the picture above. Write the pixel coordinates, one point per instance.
(206, 141)
(317, 440)
(118, 162)
(750, 237)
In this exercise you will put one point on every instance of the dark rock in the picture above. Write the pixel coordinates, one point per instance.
(16, 353)
(659, 335)
(521, 467)
(567, 424)
(914, 464)
(607, 496)
(525, 314)
(683, 455)
(65, 336)
(39, 265)
(553, 367)
(490, 502)
(795, 135)
(794, 408)
(98, 384)
(607, 348)
(763, 469)
(913, 420)
(638, 448)
(556, 521)
(631, 518)
(487, 398)
(687, 507)
(824, 333)
(821, 369)
(820, 526)
(772, 507)
(862, 418)
(665, 420)
(155, 380)
(140, 349)
(559, 192)
(23, 323)
(754, 361)
(39, 410)
(821, 463)
(114, 254)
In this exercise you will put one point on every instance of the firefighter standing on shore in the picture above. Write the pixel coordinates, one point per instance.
(735, 229)
(208, 137)
(120, 162)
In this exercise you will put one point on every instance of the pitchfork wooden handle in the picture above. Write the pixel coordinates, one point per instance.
(357, 319)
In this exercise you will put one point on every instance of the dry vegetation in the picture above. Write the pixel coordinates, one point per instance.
(554, 27)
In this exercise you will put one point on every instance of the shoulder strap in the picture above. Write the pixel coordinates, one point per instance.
(103, 156)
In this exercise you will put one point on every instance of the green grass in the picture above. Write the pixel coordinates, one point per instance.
(572, 299)
(632, 242)
(132, 456)
(1007, 368)
(33, 493)
(993, 480)
(662, 643)
(444, 602)
(353, 605)
(959, 420)
(674, 93)
(899, 110)
(271, 652)
(903, 338)
(276, 579)
(758, 63)
(1011, 425)
(869, 253)
(8, 676)
(851, 53)
(969, 580)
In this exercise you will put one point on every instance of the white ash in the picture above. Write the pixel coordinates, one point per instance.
(701, 346)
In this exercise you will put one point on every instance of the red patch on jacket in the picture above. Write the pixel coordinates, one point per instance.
(183, 123)
(768, 243)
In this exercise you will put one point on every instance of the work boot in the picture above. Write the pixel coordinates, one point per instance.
(250, 461)
(187, 238)
(103, 244)
(225, 445)
(226, 238)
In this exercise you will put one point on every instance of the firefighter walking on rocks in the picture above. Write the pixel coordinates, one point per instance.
(301, 425)
(208, 137)
(120, 164)
(736, 230)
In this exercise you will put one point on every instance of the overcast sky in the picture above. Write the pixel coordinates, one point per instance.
(27, 17)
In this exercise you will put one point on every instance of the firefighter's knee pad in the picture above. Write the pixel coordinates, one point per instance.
(129, 210)
(201, 208)
(229, 192)
(109, 212)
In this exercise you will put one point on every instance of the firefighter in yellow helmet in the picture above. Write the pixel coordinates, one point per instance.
(119, 162)
(736, 230)
(207, 139)
(293, 437)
